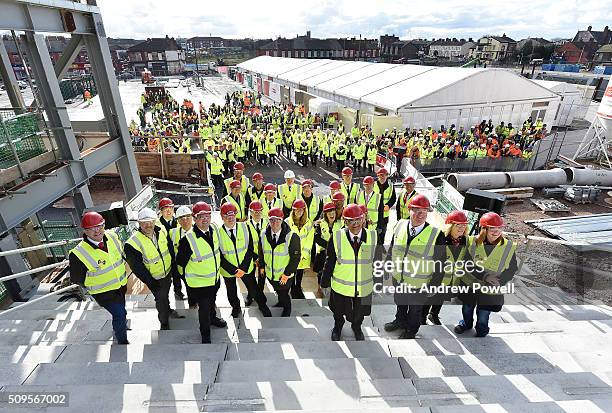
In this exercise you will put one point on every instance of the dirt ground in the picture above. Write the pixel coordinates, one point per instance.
(561, 266)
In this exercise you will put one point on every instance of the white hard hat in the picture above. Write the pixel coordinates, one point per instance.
(183, 211)
(147, 214)
(289, 174)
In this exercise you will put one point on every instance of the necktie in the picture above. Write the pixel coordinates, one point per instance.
(412, 232)
(269, 205)
(232, 236)
(101, 246)
(355, 242)
(275, 237)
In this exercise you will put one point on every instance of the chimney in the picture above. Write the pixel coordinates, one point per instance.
(504, 35)
(308, 34)
(589, 28)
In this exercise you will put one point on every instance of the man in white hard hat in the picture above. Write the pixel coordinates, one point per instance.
(288, 192)
(148, 254)
(185, 224)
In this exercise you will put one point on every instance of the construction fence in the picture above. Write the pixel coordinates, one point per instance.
(20, 137)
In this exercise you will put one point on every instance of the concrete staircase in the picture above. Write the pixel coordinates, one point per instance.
(537, 358)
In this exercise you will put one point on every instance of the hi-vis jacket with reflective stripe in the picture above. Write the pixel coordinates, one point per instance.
(276, 203)
(387, 194)
(288, 195)
(498, 259)
(105, 270)
(235, 254)
(350, 192)
(256, 229)
(244, 185)
(402, 204)
(326, 232)
(175, 236)
(276, 259)
(202, 270)
(352, 276)
(418, 255)
(373, 204)
(157, 261)
(306, 234)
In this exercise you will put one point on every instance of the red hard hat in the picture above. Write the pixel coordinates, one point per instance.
(256, 206)
(257, 176)
(456, 217)
(299, 204)
(235, 184)
(419, 201)
(307, 182)
(91, 219)
(338, 196)
(334, 185)
(409, 180)
(229, 209)
(276, 213)
(491, 220)
(165, 202)
(364, 209)
(201, 208)
(347, 171)
(368, 180)
(352, 211)
(270, 188)
(238, 166)
(330, 206)
(382, 171)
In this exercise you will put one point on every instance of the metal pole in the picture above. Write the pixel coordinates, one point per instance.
(38, 247)
(42, 228)
(33, 271)
(51, 294)
(11, 144)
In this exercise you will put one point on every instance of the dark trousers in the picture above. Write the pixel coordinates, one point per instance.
(206, 297)
(162, 302)
(296, 287)
(482, 318)
(176, 283)
(382, 232)
(409, 317)
(355, 323)
(117, 309)
(250, 283)
(433, 309)
(282, 291)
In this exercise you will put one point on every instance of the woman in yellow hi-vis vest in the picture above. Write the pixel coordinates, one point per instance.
(301, 225)
(495, 259)
(328, 224)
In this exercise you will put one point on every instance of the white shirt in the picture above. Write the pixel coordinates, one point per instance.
(230, 230)
(94, 242)
(417, 230)
(352, 236)
(276, 235)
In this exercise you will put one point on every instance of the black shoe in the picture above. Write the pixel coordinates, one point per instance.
(179, 296)
(249, 301)
(434, 318)
(392, 325)
(277, 305)
(175, 314)
(460, 329)
(218, 322)
(205, 340)
(236, 312)
(297, 294)
(407, 335)
(165, 327)
(286, 312)
(358, 334)
(123, 342)
(265, 311)
(335, 335)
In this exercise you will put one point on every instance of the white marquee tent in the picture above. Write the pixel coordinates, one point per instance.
(419, 95)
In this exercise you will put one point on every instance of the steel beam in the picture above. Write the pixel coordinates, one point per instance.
(57, 113)
(106, 84)
(10, 81)
(38, 193)
(45, 16)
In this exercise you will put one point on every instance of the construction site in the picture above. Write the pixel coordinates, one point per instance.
(122, 148)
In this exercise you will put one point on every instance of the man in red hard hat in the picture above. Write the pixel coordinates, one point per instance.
(348, 270)
(373, 203)
(414, 241)
(256, 190)
(97, 265)
(385, 188)
(404, 198)
(238, 176)
(348, 187)
(168, 221)
(199, 254)
(279, 256)
(239, 200)
(237, 260)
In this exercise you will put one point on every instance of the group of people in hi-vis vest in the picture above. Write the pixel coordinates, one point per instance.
(280, 233)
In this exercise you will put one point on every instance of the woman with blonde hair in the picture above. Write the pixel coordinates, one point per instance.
(329, 223)
(495, 260)
(300, 224)
(455, 240)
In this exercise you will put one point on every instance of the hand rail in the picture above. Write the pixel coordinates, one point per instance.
(60, 291)
(38, 247)
(33, 271)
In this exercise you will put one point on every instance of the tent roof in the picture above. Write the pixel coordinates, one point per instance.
(394, 86)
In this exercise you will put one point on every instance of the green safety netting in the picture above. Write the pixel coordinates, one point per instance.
(23, 131)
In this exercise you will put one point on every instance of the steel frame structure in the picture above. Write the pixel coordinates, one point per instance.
(83, 22)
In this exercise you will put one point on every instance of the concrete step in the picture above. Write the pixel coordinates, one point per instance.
(16, 326)
(308, 370)
(142, 353)
(307, 350)
(261, 322)
(291, 335)
(187, 372)
(30, 354)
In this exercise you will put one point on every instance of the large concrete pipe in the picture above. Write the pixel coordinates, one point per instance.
(537, 179)
(601, 177)
(478, 180)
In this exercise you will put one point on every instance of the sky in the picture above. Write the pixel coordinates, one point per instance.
(342, 18)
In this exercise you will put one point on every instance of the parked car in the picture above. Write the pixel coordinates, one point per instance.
(22, 85)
